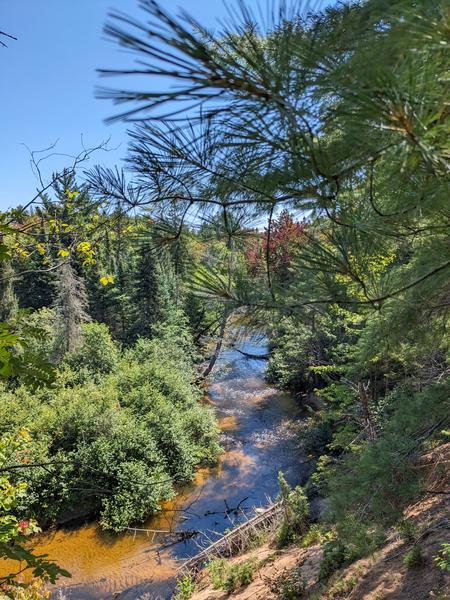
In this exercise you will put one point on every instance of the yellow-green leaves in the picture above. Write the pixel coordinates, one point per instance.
(86, 252)
(71, 195)
(106, 279)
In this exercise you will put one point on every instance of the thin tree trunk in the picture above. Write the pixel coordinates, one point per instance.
(362, 392)
(219, 343)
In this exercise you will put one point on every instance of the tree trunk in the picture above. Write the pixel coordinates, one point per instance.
(362, 393)
(218, 347)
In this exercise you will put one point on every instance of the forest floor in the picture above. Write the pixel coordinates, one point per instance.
(382, 576)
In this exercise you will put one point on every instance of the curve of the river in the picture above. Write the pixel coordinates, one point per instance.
(259, 436)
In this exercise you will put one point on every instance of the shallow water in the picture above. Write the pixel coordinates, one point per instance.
(259, 437)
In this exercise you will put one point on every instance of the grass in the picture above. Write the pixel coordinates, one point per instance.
(230, 577)
(315, 535)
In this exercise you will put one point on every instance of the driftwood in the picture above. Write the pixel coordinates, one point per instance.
(229, 510)
(172, 537)
(237, 540)
(250, 355)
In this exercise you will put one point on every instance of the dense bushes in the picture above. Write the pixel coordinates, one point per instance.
(97, 353)
(117, 430)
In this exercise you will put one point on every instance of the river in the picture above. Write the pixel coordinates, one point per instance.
(258, 426)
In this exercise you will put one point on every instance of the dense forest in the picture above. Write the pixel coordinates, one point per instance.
(292, 178)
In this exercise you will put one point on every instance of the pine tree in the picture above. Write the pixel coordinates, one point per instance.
(146, 292)
(70, 306)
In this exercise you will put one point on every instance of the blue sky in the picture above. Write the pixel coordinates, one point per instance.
(49, 79)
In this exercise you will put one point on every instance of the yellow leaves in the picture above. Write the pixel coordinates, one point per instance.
(362, 266)
(72, 195)
(40, 248)
(25, 434)
(377, 264)
(57, 226)
(106, 279)
(53, 224)
(21, 251)
(63, 252)
(83, 247)
(87, 252)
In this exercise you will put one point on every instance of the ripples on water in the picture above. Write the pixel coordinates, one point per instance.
(259, 438)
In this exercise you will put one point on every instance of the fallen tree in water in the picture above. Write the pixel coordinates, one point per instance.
(237, 540)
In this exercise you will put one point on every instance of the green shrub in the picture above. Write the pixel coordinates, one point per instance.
(408, 531)
(117, 441)
(289, 586)
(217, 569)
(335, 556)
(442, 559)
(343, 586)
(185, 588)
(414, 558)
(97, 353)
(371, 488)
(316, 534)
(296, 512)
(325, 468)
(230, 577)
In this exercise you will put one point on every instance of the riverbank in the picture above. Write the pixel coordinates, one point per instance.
(259, 428)
(388, 574)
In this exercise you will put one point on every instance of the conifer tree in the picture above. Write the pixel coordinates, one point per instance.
(146, 292)
(70, 307)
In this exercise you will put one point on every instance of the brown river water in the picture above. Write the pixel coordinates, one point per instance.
(259, 436)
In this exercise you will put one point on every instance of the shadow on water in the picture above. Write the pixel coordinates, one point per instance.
(259, 437)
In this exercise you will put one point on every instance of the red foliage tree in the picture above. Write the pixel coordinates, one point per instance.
(279, 243)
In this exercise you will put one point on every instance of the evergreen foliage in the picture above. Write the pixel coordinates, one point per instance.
(339, 116)
(329, 128)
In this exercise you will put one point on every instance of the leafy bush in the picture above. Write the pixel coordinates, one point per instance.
(97, 353)
(14, 533)
(316, 534)
(296, 512)
(185, 588)
(116, 442)
(442, 559)
(408, 531)
(229, 577)
(335, 556)
(414, 558)
(289, 586)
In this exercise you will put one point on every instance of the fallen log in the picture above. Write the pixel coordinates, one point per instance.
(250, 355)
(236, 540)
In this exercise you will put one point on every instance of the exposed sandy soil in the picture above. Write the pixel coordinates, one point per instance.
(274, 563)
(383, 576)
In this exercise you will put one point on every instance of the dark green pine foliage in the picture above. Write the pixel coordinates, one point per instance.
(146, 298)
(36, 289)
(114, 304)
